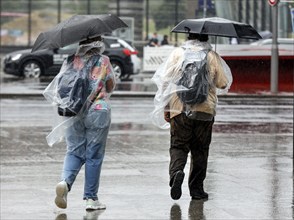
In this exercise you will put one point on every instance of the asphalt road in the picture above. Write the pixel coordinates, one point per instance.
(249, 172)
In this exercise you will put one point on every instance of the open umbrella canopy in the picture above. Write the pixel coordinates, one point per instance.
(218, 27)
(77, 28)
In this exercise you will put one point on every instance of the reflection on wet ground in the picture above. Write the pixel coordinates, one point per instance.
(253, 128)
(250, 170)
(90, 215)
(134, 84)
(195, 211)
(237, 127)
(175, 212)
(23, 80)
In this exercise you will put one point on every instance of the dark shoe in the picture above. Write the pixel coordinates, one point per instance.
(199, 195)
(176, 188)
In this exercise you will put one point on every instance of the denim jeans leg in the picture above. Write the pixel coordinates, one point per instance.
(75, 155)
(97, 130)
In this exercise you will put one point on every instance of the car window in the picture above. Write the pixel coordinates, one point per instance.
(110, 43)
(269, 41)
(126, 45)
(287, 41)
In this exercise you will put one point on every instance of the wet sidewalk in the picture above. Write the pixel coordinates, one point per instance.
(249, 172)
(139, 85)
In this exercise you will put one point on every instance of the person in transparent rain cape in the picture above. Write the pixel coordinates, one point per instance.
(86, 133)
(190, 125)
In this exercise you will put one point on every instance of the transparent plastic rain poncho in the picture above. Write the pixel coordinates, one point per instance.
(169, 72)
(101, 78)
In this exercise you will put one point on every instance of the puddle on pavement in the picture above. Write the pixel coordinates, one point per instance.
(225, 128)
(134, 86)
(252, 128)
(42, 82)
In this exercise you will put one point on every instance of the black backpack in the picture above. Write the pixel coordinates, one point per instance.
(195, 81)
(74, 88)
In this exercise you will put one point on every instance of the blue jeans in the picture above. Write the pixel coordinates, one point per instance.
(86, 140)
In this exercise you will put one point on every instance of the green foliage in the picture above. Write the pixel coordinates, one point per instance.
(81, 7)
(165, 14)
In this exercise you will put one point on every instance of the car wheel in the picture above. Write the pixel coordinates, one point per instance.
(124, 77)
(31, 69)
(118, 69)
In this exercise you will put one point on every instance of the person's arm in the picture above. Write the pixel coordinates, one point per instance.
(110, 85)
(104, 72)
(110, 78)
(215, 66)
(172, 70)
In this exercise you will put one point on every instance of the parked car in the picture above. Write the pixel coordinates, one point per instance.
(23, 63)
(135, 59)
(286, 41)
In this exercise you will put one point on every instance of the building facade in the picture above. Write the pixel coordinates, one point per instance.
(22, 20)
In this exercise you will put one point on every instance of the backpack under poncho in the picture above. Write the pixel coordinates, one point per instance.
(74, 87)
(193, 83)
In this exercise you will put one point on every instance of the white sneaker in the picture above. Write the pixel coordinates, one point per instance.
(94, 205)
(61, 195)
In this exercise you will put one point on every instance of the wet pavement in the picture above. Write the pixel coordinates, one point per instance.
(11, 86)
(250, 170)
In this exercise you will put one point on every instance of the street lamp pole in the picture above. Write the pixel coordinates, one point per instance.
(89, 7)
(58, 11)
(176, 19)
(117, 8)
(204, 8)
(275, 51)
(147, 19)
(29, 22)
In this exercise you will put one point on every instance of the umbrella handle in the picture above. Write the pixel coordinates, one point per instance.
(215, 41)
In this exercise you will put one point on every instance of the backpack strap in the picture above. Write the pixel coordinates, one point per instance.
(70, 58)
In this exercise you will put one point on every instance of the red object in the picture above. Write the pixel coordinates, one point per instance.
(273, 2)
(129, 52)
(252, 74)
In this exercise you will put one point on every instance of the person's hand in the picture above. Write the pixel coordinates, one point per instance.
(167, 116)
(109, 85)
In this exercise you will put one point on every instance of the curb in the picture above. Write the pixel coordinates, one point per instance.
(114, 94)
(137, 94)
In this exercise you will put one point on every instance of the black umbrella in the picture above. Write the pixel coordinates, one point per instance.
(217, 27)
(77, 28)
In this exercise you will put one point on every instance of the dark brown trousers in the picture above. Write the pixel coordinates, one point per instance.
(193, 136)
